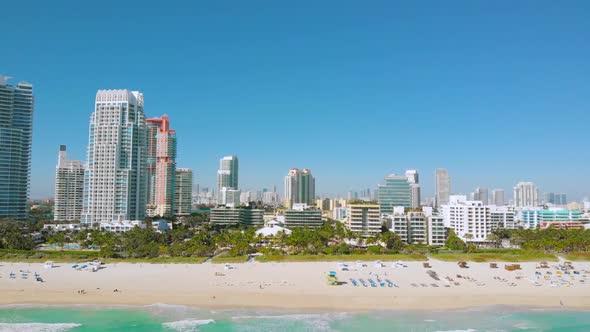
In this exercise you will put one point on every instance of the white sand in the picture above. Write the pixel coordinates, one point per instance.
(290, 286)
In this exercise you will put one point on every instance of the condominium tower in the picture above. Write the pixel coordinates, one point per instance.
(161, 166)
(116, 176)
(69, 188)
(526, 194)
(16, 135)
(299, 187)
(183, 198)
(227, 180)
(442, 187)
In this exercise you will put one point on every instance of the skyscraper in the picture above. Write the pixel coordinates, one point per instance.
(115, 186)
(413, 179)
(395, 192)
(184, 192)
(481, 194)
(161, 166)
(498, 197)
(442, 187)
(227, 180)
(69, 188)
(526, 194)
(299, 187)
(16, 136)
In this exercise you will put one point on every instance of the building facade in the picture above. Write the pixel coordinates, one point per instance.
(498, 197)
(183, 192)
(227, 180)
(395, 192)
(535, 218)
(233, 216)
(442, 187)
(69, 188)
(16, 137)
(115, 181)
(364, 219)
(526, 194)
(302, 215)
(299, 187)
(470, 220)
(161, 166)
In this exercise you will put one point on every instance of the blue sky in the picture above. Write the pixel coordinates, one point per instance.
(494, 91)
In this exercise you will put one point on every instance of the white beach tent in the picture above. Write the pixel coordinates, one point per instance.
(272, 228)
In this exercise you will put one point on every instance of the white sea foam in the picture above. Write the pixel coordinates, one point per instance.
(468, 330)
(187, 325)
(319, 322)
(37, 327)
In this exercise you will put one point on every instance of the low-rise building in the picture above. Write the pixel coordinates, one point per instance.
(303, 216)
(364, 219)
(534, 218)
(235, 216)
(417, 227)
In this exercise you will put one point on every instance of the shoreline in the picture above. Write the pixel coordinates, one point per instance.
(289, 286)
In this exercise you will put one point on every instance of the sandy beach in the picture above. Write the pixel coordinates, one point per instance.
(298, 286)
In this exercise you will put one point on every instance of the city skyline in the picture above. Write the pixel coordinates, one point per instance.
(488, 91)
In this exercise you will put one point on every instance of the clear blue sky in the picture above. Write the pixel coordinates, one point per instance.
(495, 91)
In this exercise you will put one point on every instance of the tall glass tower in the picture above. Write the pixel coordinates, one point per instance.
(16, 136)
(115, 186)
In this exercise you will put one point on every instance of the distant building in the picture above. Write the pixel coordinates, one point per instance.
(481, 194)
(235, 216)
(498, 197)
(556, 198)
(69, 188)
(395, 192)
(299, 187)
(230, 197)
(364, 219)
(16, 137)
(526, 194)
(183, 192)
(442, 187)
(323, 204)
(303, 216)
(227, 181)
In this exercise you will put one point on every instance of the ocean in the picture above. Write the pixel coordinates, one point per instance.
(160, 317)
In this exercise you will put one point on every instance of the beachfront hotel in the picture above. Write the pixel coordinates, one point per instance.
(115, 186)
(183, 197)
(302, 215)
(161, 166)
(364, 219)
(16, 136)
(299, 187)
(69, 188)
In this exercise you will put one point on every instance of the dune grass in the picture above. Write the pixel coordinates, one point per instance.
(78, 256)
(577, 256)
(229, 259)
(496, 256)
(342, 258)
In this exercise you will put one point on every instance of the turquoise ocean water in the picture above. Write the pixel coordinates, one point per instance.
(180, 318)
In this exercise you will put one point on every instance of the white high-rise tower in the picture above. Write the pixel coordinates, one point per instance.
(69, 188)
(526, 194)
(116, 176)
(227, 181)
